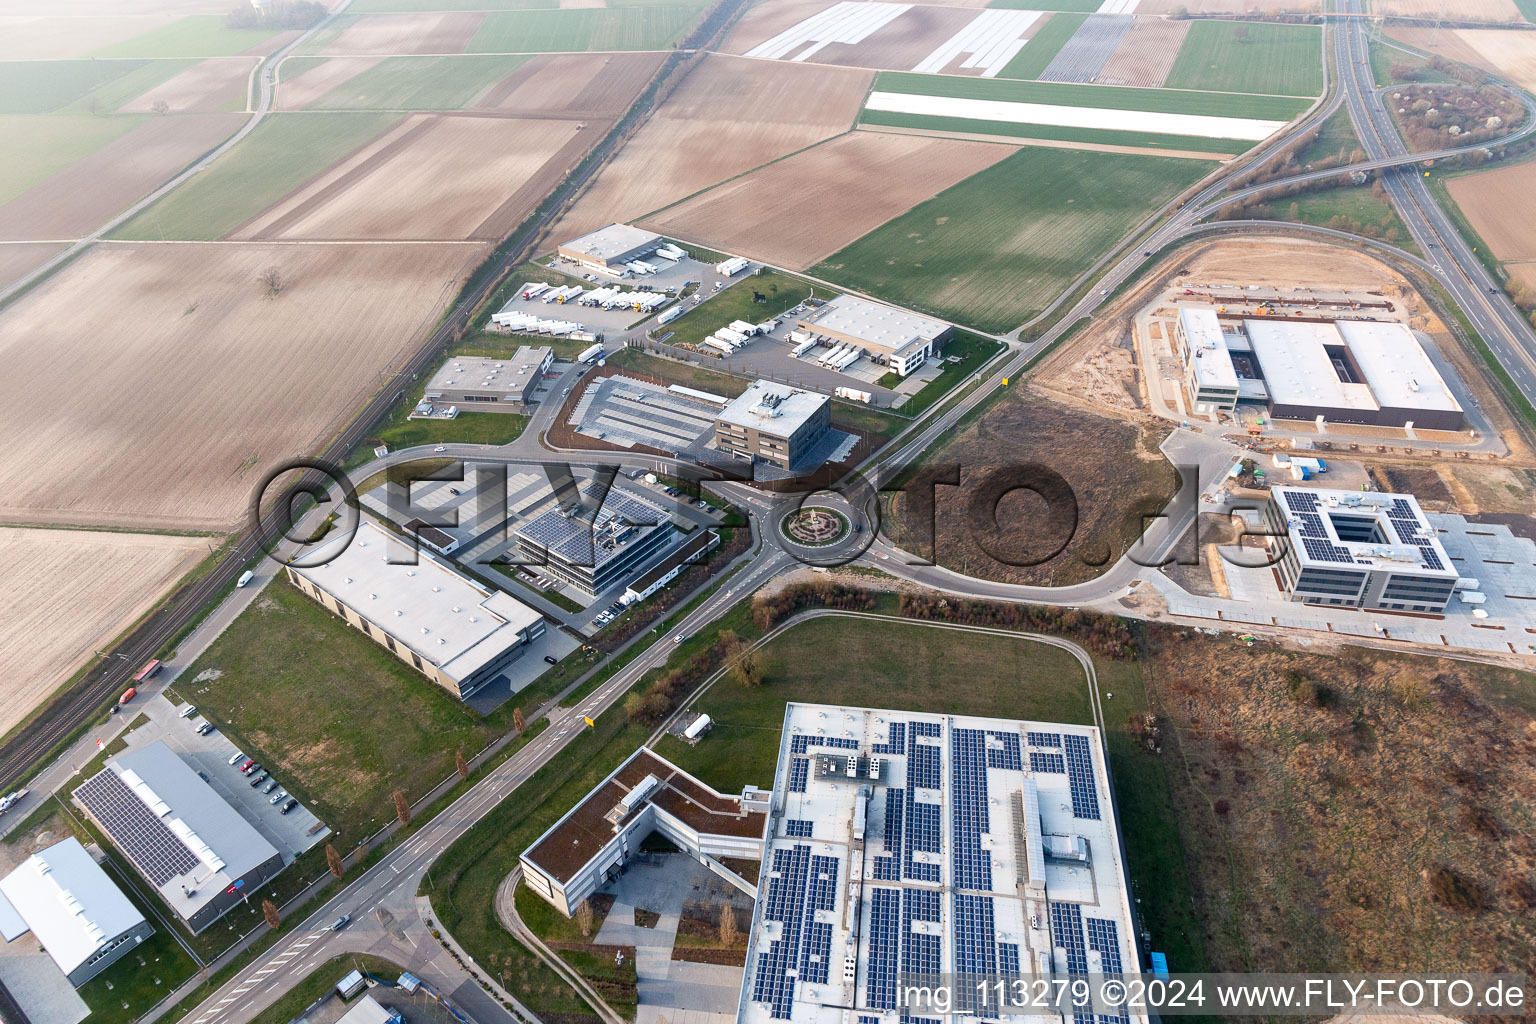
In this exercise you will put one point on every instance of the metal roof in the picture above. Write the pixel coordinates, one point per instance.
(1297, 369)
(478, 373)
(775, 408)
(609, 242)
(68, 903)
(873, 323)
(1208, 348)
(1396, 366)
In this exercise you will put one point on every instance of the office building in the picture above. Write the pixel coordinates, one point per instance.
(773, 423)
(1210, 376)
(478, 384)
(595, 547)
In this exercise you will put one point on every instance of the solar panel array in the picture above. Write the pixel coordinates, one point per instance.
(1080, 779)
(805, 741)
(1047, 762)
(897, 744)
(799, 774)
(1104, 939)
(884, 943)
(1067, 933)
(797, 828)
(1043, 739)
(1009, 756)
(1308, 523)
(799, 886)
(975, 939)
(138, 831)
(1007, 958)
(920, 953)
(970, 863)
(1412, 530)
(923, 820)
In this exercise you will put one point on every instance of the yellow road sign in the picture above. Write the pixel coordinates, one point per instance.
(589, 722)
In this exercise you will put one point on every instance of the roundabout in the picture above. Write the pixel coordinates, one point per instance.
(814, 526)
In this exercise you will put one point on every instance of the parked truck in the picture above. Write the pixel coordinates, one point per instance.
(590, 354)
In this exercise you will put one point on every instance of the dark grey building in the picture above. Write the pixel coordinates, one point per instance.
(596, 551)
(774, 423)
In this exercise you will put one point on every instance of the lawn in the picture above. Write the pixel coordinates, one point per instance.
(284, 152)
(197, 35)
(972, 349)
(419, 83)
(626, 28)
(37, 146)
(1385, 57)
(736, 303)
(1043, 46)
(340, 720)
(1356, 209)
(1243, 56)
(39, 86)
(1336, 135)
(994, 250)
(465, 428)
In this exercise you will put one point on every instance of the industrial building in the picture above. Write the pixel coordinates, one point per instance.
(593, 842)
(478, 384)
(193, 847)
(1369, 372)
(1358, 550)
(667, 570)
(75, 912)
(609, 248)
(773, 423)
(456, 632)
(595, 547)
(905, 846)
(889, 336)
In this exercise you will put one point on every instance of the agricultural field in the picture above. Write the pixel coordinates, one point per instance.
(1212, 123)
(87, 193)
(164, 380)
(826, 187)
(19, 258)
(399, 185)
(727, 117)
(1030, 62)
(389, 34)
(404, 83)
(1498, 204)
(994, 250)
(39, 146)
(1510, 54)
(1146, 54)
(612, 28)
(196, 35)
(284, 152)
(68, 594)
(1241, 56)
(40, 36)
(575, 84)
(1156, 8)
(1500, 11)
(38, 87)
(215, 84)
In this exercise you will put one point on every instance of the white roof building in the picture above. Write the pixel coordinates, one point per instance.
(1396, 366)
(613, 244)
(777, 408)
(65, 899)
(902, 339)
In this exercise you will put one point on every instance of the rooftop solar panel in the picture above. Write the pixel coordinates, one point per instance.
(970, 863)
(975, 945)
(797, 828)
(1080, 777)
(1008, 756)
(884, 947)
(1043, 739)
(138, 831)
(1047, 762)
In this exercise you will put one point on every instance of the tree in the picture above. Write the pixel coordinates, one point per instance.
(728, 931)
(402, 808)
(748, 669)
(584, 917)
(160, 107)
(518, 722)
(269, 912)
(1240, 32)
(460, 764)
(272, 277)
(333, 860)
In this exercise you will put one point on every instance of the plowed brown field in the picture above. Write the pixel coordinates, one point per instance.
(435, 177)
(767, 19)
(16, 258)
(799, 210)
(395, 34)
(578, 84)
(1501, 204)
(1512, 54)
(1461, 10)
(302, 89)
(41, 37)
(86, 194)
(729, 116)
(1152, 8)
(901, 43)
(162, 380)
(1146, 53)
(206, 87)
(64, 594)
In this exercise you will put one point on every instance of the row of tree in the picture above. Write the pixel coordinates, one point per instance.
(771, 609)
(276, 14)
(1102, 634)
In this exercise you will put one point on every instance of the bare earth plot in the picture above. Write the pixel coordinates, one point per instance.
(767, 19)
(18, 258)
(728, 116)
(1146, 53)
(901, 43)
(827, 188)
(446, 32)
(1511, 54)
(1152, 8)
(1501, 206)
(206, 87)
(433, 177)
(1463, 10)
(66, 593)
(578, 84)
(304, 88)
(163, 380)
(89, 192)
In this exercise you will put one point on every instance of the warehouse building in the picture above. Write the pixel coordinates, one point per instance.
(456, 632)
(76, 913)
(905, 847)
(608, 248)
(593, 842)
(593, 541)
(889, 336)
(193, 847)
(1211, 377)
(773, 423)
(1347, 549)
(478, 384)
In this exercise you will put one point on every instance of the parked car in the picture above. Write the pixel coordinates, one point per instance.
(258, 779)
(290, 805)
(278, 797)
(187, 711)
(270, 786)
(341, 922)
(551, 659)
(236, 756)
(248, 762)
(205, 729)
(252, 770)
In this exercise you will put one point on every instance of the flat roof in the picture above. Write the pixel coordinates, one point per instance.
(68, 903)
(611, 241)
(1297, 369)
(478, 373)
(440, 614)
(178, 832)
(696, 545)
(1408, 541)
(1396, 366)
(776, 408)
(1208, 347)
(984, 829)
(873, 323)
(623, 519)
(366, 1010)
(570, 843)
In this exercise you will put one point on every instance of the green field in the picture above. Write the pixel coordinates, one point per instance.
(284, 152)
(1337, 135)
(40, 86)
(340, 721)
(1060, 133)
(197, 35)
(40, 145)
(735, 303)
(466, 428)
(419, 83)
(1043, 45)
(621, 28)
(108, 97)
(994, 250)
(1242, 56)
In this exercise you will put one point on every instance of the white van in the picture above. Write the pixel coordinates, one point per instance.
(245, 578)
(187, 711)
